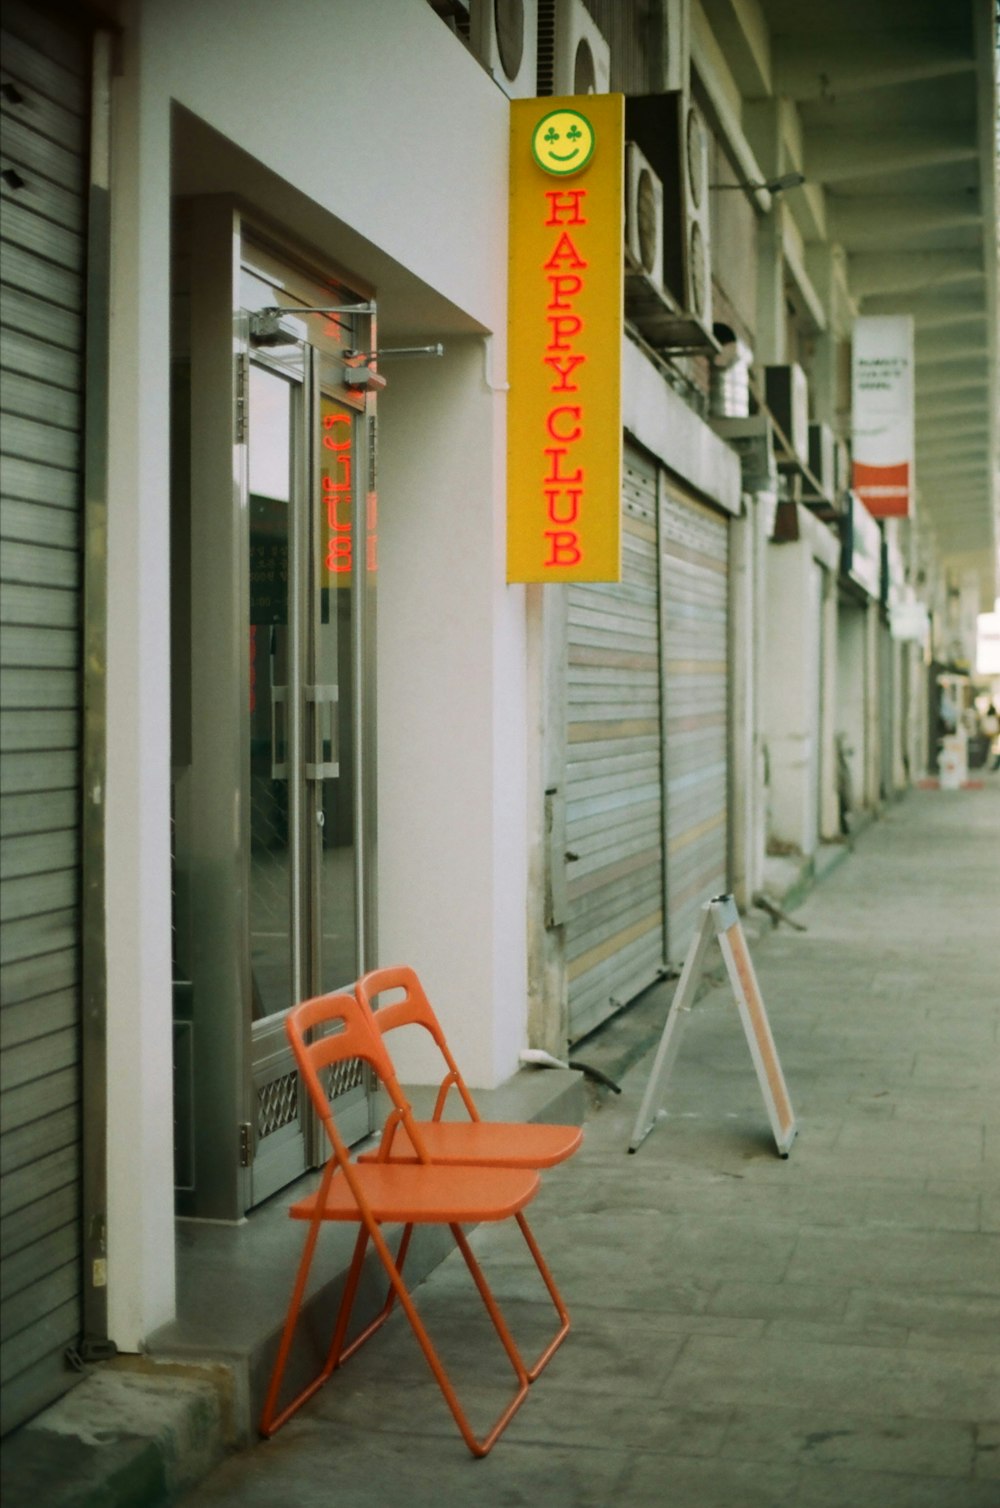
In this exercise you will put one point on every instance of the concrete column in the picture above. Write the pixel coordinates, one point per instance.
(873, 721)
(139, 1090)
(851, 627)
(791, 695)
(548, 988)
(829, 806)
(452, 739)
(743, 708)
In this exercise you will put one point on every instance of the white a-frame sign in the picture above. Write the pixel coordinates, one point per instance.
(720, 919)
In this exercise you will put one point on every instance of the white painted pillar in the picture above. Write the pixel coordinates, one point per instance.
(140, 1084)
(743, 719)
(452, 694)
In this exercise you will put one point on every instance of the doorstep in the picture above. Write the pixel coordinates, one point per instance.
(234, 1281)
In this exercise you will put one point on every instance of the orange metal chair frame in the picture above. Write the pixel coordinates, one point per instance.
(473, 1142)
(372, 1195)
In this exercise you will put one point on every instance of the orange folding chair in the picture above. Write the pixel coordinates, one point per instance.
(471, 1143)
(372, 1195)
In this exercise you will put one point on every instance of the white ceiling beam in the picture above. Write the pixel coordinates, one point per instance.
(952, 377)
(934, 397)
(839, 156)
(860, 221)
(930, 308)
(941, 453)
(827, 68)
(886, 272)
(938, 452)
(950, 343)
(743, 32)
(938, 459)
(962, 461)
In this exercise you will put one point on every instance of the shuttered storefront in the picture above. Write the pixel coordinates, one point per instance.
(695, 560)
(614, 813)
(45, 103)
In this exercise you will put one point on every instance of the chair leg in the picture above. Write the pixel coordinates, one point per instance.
(387, 1308)
(269, 1419)
(478, 1447)
(543, 1360)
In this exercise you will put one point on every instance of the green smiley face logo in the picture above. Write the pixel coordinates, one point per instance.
(563, 142)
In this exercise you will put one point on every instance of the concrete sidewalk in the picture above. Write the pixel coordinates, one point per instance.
(747, 1331)
(821, 1332)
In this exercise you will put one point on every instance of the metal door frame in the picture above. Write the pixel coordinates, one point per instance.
(212, 1016)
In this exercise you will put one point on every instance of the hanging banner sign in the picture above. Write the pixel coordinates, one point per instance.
(564, 452)
(882, 413)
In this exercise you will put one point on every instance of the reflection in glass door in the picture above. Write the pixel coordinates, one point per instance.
(304, 487)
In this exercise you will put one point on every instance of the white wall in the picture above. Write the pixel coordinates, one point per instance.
(791, 693)
(374, 111)
(386, 130)
(852, 640)
(137, 805)
(452, 699)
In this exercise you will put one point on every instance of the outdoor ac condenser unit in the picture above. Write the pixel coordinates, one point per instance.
(643, 216)
(822, 458)
(573, 55)
(505, 39)
(787, 392)
(673, 136)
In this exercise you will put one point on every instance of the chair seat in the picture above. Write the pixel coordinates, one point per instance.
(492, 1144)
(421, 1194)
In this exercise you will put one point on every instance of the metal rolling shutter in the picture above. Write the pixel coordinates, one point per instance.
(44, 140)
(695, 556)
(614, 935)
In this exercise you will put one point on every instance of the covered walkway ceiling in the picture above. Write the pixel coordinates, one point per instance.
(897, 134)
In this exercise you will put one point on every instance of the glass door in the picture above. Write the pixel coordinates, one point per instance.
(310, 512)
(273, 557)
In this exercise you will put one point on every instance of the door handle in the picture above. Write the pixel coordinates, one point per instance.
(279, 761)
(323, 701)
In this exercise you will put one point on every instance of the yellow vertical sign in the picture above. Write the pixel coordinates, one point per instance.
(564, 449)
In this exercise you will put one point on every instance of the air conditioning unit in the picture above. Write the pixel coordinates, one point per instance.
(573, 56)
(842, 470)
(752, 438)
(505, 39)
(643, 216)
(672, 133)
(786, 392)
(675, 46)
(822, 458)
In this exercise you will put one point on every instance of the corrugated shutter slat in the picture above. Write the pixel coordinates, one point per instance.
(614, 936)
(45, 138)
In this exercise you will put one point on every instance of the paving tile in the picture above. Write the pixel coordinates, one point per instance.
(310, 1466)
(791, 1330)
(654, 1481)
(859, 1441)
(957, 1261)
(768, 1301)
(830, 1488)
(932, 1385)
(987, 1451)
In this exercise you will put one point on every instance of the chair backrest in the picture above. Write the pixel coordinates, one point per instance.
(316, 1050)
(413, 1010)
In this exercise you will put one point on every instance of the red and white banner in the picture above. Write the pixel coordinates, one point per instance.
(882, 413)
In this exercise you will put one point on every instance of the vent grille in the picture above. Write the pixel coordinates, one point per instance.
(344, 1076)
(546, 61)
(277, 1104)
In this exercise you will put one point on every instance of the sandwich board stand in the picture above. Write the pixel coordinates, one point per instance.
(720, 919)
